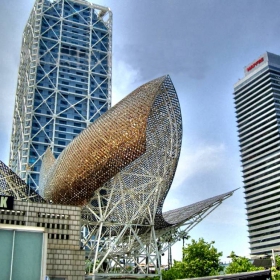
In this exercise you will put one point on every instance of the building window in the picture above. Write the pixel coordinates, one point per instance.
(62, 136)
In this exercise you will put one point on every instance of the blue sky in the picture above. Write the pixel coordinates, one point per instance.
(203, 45)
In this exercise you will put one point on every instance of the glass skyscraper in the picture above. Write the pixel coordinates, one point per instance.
(64, 80)
(257, 101)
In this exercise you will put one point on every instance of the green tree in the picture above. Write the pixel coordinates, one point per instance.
(172, 274)
(277, 261)
(275, 273)
(200, 259)
(240, 264)
(275, 270)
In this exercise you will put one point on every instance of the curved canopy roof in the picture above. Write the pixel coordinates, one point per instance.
(182, 214)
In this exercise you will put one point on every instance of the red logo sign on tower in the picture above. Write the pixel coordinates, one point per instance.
(255, 64)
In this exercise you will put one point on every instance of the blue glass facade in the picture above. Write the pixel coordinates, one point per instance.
(67, 49)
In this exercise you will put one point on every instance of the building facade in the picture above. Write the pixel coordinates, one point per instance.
(64, 80)
(257, 103)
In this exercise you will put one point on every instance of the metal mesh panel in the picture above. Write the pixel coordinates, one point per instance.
(12, 185)
(182, 214)
(47, 162)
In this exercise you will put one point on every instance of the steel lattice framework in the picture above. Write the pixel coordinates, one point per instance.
(119, 170)
(64, 80)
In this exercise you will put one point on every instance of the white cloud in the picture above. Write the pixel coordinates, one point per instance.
(170, 202)
(124, 80)
(201, 159)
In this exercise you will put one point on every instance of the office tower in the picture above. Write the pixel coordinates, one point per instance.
(257, 101)
(64, 80)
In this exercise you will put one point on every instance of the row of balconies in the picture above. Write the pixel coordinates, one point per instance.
(253, 91)
(258, 147)
(262, 168)
(248, 84)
